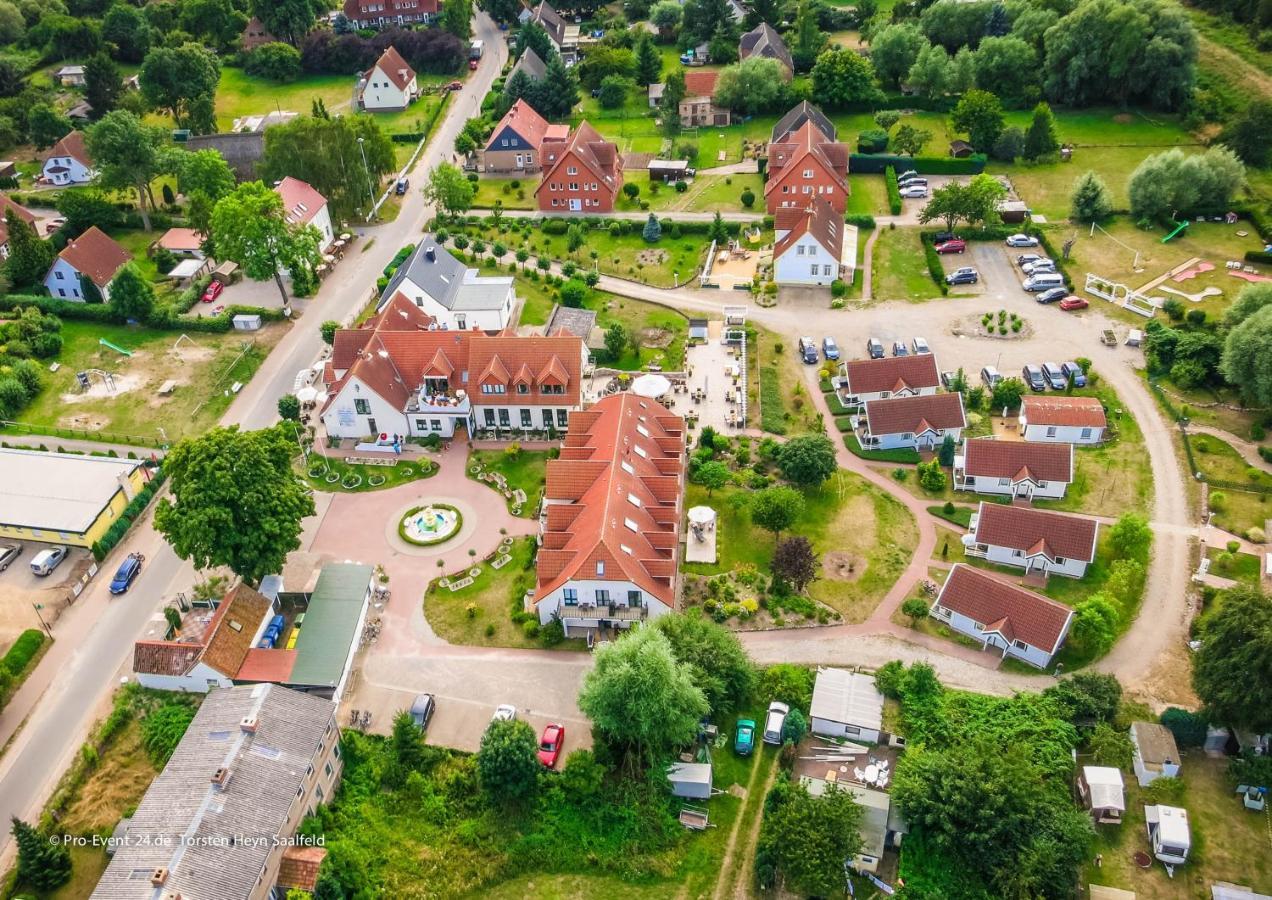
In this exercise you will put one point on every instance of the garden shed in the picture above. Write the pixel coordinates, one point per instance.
(690, 780)
(668, 170)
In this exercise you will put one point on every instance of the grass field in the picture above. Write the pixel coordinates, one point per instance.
(525, 470)
(1236, 511)
(900, 269)
(204, 369)
(867, 194)
(1242, 567)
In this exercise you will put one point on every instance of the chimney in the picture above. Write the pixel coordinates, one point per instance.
(126, 485)
(431, 254)
(221, 777)
(248, 725)
(159, 876)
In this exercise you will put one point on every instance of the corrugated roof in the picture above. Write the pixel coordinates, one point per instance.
(1037, 532)
(1015, 613)
(57, 491)
(330, 631)
(915, 415)
(848, 697)
(1081, 412)
(1018, 460)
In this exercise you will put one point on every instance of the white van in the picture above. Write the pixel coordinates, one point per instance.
(44, 562)
(1044, 281)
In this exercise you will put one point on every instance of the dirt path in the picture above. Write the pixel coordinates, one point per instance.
(735, 867)
(1249, 451)
(1237, 69)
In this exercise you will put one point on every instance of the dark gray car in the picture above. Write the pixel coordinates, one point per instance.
(1033, 377)
(422, 710)
(1055, 376)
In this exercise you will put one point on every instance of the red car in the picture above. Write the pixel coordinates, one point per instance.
(550, 745)
(213, 291)
(455, 86)
(1070, 303)
(957, 245)
(472, 65)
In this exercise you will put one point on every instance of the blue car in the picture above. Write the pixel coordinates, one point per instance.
(127, 573)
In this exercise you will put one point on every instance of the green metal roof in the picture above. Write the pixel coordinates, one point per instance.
(331, 625)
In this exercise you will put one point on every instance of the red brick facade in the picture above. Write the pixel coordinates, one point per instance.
(805, 166)
(581, 174)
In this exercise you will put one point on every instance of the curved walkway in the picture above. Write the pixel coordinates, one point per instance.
(1248, 450)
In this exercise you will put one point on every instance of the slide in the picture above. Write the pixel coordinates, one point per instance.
(1179, 227)
(115, 347)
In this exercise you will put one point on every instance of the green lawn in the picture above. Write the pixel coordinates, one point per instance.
(961, 516)
(1235, 510)
(513, 193)
(868, 194)
(1242, 567)
(864, 528)
(524, 470)
(239, 94)
(900, 268)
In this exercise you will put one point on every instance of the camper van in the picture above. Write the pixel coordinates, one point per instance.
(1168, 833)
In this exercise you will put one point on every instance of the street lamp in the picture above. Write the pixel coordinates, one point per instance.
(37, 607)
(370, 193)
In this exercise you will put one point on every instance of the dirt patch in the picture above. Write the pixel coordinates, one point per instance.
(1124, 118)
(652, 257)
(971, 325)
(192, 353)
(657, 338)
(100, 388)
(842, 566)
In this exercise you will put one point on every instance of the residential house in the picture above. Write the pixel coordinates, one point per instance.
(183, 242)
(209, 648)
(610, 532)
(846, 705)
(1168, 834)
(450, 293)
(737, 12)
(763, 40)
(582, 173)
(799, 115)
(1101, 791)
(888, 376)
(68, 162)
(400, 374)
(1020, 623)
(65, 497)
(1156, 755)
(388, 85)
(806, 165)
(1069, 420)
(71, 76)
(255, 34)
(961, 149)
(302, 205)
(813, 246)
(698, 109)
(1038, 541)
(565, 35)
(1013, 468)
(382, 13)
(530, 63)
(254, 763)
(882, 826)
(93, 256)
(514, 144)
(919, 422)
(7, 205)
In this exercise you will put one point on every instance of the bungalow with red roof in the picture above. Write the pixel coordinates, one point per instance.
(812, 246)
(302, 205)
(698, 109)
(611, 523)
(1070, 420)
(1013, 468)
(7, 204)
(68, 162)
(1035, 540)
(402, 375)
(806, 164)
(888, 376)
(583, 173)
(1020, 623)
(916, 423)
(388, 85)
(515, 143)
(183, 242)
(379, 13)
(91, 257)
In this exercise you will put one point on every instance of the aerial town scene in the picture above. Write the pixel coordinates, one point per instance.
(696, 449)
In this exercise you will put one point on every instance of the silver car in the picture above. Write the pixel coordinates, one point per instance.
(774, 721)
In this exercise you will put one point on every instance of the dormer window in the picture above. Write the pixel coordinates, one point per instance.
(633, 500)
(523, 389)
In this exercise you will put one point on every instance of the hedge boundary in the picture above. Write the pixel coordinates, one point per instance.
(900, 455)
(136, 506)
(459, 525)
(879, 163)
(102, 313)
(894, 191)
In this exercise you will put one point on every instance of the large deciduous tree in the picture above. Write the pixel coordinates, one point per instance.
(508, 762)
(795, 562)
(894, 49)
(641, 699)
(250, 227)
(1250, 299)
(954, 24)
(456, 17)
(29, 256)
(238, 502)
(1008, 66)
(805, 840)
(102, 84)
(932, 72)
(807, 460)
(1230, 671)
(841, 78)
(1247, 357)
(182, 82)
(131, 295)
(718, 664)
(325, 153)
(46, 125)
(126, 28)
(754, 85)
(980, 115)
(126, 153)
(1249, 133)
(449, 190)
(776, 508)
(288, 20)
(205, 172)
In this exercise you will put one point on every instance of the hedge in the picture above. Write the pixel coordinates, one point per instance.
(558, 226)
(24, 650)
(894, 192)
(1266, 453)
(135, 508)
(877, 163)
(398, 259)
(101, 312)
(861, 220)
(1258, 256)
(1055, 257)
(935, 269)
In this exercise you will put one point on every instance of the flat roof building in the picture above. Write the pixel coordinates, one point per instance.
(64, 498)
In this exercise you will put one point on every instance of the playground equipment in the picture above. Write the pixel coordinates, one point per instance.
(118, 349)
(1134, 265)
(1122, 295)
(1179, 227)
(84, 379)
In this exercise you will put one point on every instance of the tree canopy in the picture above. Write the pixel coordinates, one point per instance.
(980, 115)
(1247, 357)
(716, 660)
(508, 761)
(288, 20)
(841, 78)
(131, 295)
(1230, 671)
(1090, 200)
(182, 82)
(807, 460)
(250, 227)
(1172, 183)
(776, 508)
(805, 840)
(126, 153)
(325, 153)
(754, 85)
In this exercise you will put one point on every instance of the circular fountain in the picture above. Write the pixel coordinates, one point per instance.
(428, 525)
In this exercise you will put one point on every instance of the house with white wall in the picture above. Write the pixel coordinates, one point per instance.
(94, 256)
(452, 294)
(610, 529)
(6, 206)
(846, 705)
(1014, 468)
(68, 162)
(302, 205)
(812, 245)
(1038, 541)
(1156, 753)
(1002, 616)
(888, 376)
(387, 86)
(916, 423)
(1067, 420)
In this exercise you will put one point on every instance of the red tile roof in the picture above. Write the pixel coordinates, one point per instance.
(892, 373)
(700, 84)
(224, 643)
(95, 255)
(901, 415)
(525, 121)
(594, 518)
(165, 657)
(1018, 460)
(820, 220)
(300, 201)
(299, 867)
(807, 143)
(72, 145)
(273, 666)
(20, 211)
(368, 10)
(180, 239)
(394, 68)
(1015, 613)
(1037, 532)
(1081, 412)
(598, 155)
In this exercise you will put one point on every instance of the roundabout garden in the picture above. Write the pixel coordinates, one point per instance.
(425, 526)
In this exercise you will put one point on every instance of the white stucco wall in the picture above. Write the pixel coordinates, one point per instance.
(859, 399)
(560, 415)
(77, 172)
(1063, 434)
(793, 268)
(1030, 654)
(63, 282)
(1004, 556)
(1050, 490)
(554, 602)
(485, 319)
(196, 681)
(898, 441)
(380, 93)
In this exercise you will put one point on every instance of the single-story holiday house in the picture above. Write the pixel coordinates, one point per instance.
(1038, 541)
(846, 705)
(1018, 622)
(882, 826)
(862, 380)
(183, 242)
(1068, 420)
(1156, 754)
(919, 422)
(1014, 468)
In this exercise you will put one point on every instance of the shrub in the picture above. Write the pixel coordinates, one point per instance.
(861, 220)
(1189, 728)
(22, 652)
(894, 194)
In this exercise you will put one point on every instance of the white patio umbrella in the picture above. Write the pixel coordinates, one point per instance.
(307, 395)
(702, 515)
(651, 385)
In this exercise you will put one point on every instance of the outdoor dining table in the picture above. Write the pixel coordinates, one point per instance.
(872, 774)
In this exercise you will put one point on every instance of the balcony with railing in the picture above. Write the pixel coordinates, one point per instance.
(454, 403)
(618, 612)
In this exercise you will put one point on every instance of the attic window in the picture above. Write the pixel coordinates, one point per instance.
(600, 567)
(642, 430)
(631, 524)
(641, 451)
(626, 549)
(235, 625)
(633, 500)
(627, 467)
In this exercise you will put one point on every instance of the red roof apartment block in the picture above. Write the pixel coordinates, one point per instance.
(1018, 618)
(805, 165)
(613, 499)
(377, 13)
(583, 173)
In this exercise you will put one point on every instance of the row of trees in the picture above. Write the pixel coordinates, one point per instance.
(431, 50)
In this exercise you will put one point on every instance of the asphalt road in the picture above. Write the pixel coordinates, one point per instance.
(71, 686)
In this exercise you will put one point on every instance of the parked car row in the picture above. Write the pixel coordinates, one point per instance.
(1056, 376)
(42, 564)
(550, 741)
(1068, 302)
(912, 185)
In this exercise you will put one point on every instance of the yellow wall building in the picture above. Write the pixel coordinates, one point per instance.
(64, 498)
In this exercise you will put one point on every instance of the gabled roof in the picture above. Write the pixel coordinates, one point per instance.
(822, 222)
(180, 239)
(525, 121)
(366, 10)
(73, 146)
(6, 204)
(763, 40)
(223, 645)
(530, 63)
(95, 255)
(394, 68)
(448, 281)
(1018, 460)
(915, 415)
(614, 498)
(891, 373)
(597, 155)
(795, 119)
(1078, 412)
(805, 145)
(1037, 532)
(699, 83)
(1013, 612)
(300, 201)
(552, 23)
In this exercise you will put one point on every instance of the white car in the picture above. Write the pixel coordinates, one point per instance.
(917, 192)
(504, 713)
(1038, 266)
(774, 721)
(1022, 240)
(921, 346)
